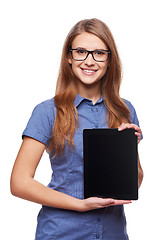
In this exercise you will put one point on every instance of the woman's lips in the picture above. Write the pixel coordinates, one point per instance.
(88, 71)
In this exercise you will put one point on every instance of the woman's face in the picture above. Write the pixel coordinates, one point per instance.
(88, 72)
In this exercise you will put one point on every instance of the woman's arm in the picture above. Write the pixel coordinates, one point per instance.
(24, 185)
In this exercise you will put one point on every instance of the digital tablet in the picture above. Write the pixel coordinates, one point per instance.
(110, 163)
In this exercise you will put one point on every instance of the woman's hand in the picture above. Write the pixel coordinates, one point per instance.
(96, 203)
(131, 125)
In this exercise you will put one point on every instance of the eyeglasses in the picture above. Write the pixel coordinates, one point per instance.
(82, 54)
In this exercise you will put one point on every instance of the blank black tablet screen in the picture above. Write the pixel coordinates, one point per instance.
(110, 163)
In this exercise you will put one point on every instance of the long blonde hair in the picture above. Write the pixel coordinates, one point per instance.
(66, 119)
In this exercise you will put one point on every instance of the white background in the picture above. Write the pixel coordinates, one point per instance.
(32, 36)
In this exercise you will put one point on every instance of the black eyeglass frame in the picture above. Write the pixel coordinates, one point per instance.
(90, 52)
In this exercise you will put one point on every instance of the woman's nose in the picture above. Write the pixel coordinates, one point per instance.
(89, 60)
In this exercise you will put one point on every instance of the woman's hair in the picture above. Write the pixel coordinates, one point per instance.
(66, 119)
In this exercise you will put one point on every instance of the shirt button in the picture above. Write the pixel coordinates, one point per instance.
(97, 236)
(98, 220)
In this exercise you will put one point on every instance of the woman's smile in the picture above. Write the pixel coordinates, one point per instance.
(89, 71)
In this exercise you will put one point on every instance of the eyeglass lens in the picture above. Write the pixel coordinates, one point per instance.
(98, 55)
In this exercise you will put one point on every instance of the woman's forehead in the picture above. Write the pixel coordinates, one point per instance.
(88, 41)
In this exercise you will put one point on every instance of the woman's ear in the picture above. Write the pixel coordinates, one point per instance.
(69, 59)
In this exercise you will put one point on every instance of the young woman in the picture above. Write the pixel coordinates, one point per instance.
(87, 96)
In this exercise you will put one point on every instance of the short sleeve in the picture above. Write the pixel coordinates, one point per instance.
(41, 122)
(133, 114)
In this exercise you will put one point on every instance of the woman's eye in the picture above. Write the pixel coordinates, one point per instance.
(99, 52)
(81, 51)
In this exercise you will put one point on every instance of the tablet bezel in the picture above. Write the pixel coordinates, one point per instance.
(126, 143)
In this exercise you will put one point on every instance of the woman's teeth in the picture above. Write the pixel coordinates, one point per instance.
(88, 71)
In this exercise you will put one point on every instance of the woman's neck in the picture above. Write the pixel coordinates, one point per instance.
(90, 92)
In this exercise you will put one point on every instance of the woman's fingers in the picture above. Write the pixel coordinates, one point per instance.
(121, 202)
(95, 203)
(138, 131)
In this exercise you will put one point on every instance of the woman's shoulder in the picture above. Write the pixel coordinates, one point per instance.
(129, 105)
(44, 111)
(48, 104)
(133, 114)
(46, 107)
(41, 121)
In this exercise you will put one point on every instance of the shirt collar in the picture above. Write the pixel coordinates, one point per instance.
(78, 99)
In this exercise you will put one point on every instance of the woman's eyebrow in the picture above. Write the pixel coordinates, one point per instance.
(80, 48)
(97, 49)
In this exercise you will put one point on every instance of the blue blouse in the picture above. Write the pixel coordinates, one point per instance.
(67, 177)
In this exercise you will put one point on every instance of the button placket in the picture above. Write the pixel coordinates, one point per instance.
(95, 112)
(98, 229)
